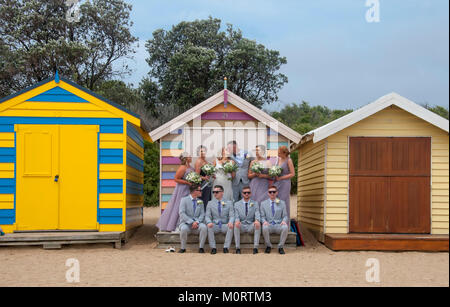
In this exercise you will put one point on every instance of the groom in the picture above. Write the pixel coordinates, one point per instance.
(242, 160)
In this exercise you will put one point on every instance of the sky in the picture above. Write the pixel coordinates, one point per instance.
(335, 57)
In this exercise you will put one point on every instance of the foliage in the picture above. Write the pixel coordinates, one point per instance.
(37, 39)
(441, 111)
(151, 174)
(188, 63)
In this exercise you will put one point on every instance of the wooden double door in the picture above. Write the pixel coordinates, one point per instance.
(390, 183)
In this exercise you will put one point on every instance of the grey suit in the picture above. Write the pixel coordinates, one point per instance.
(274, 221)
(188, 217)
(247, 221)
(241, 178)
(220, 221)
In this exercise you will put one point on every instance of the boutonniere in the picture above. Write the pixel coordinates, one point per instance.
(199, 202)
(277, 201)
(223, 203)
(251, 205)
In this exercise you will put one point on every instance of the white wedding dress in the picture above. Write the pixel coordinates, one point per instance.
(223, 179)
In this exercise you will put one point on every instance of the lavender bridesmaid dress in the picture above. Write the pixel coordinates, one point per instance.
(260, 187)
(284, 187)
(169, 218)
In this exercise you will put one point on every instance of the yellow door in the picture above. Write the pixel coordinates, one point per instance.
(56, 177)
(78, 177)
(37, 165)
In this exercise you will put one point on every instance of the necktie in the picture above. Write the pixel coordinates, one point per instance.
(273, 212)
(195, 205)
(219, 208)
(246, 209)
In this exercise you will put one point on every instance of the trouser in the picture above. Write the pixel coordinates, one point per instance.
(282, 230)
(246, 229)
(187, 229)
(216, 229)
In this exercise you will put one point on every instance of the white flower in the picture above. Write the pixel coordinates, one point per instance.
(277, 201)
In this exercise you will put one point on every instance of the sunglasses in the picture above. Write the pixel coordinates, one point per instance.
(272, 192)
(246, 193)
(217, 192)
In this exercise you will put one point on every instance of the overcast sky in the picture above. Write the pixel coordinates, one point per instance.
(335, 57)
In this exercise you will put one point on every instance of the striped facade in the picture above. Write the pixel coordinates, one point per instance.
(119, 150)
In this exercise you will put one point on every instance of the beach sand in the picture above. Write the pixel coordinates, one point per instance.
(139, 263)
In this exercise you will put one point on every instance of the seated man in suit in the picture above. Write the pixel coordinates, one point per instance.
(192, 218)
(219, 219)
(247, 219)
(275, 220)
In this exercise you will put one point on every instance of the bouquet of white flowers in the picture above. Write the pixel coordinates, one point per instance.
(209, 169)
(275, 171)
(257, 168)
(194, 178)
(229, 168)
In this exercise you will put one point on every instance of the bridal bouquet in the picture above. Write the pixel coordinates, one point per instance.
(257, 168)
(194, 178)
(275, 171)
(209, 169)
(229, 168)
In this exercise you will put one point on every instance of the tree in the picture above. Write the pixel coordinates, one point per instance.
(41, 40)
(441, 111)
(188, 64)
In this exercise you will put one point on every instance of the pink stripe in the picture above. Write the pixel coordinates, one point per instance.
(170, 161)
(226, 116)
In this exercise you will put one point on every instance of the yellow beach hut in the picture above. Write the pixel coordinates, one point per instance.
(377, 179)
(70, 160)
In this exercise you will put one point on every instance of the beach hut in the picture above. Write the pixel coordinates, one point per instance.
(213, 123)
(70, 160)
(377, 179)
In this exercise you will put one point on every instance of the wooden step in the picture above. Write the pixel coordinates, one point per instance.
(387, 242)
(171, 239)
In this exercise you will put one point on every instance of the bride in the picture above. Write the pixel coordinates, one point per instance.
(221, 178)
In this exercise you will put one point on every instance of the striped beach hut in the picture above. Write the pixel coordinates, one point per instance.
(213, 123)
(69, 160)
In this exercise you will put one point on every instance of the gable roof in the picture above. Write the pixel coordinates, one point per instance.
(57, 90)
(380, 104)
(236, 101)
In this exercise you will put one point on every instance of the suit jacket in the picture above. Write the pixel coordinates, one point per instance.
(187, 214)
(253, 212)
(243, 161)
(280, 212)
(212, 212)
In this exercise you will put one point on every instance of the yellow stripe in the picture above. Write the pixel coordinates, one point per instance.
(111, 228)
(7, 136)
(135, 175)
(111, 201)
(134, 201)
(171, 152)
(106, 197)
(111, 171)
(6, 197)
(7, 205)
(111, 141)
(229, 108)
(7, 170)
(135, 148)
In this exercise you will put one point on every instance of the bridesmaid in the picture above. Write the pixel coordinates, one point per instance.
(260, 183)
(169, 218)
(201, 161)
(283, 182)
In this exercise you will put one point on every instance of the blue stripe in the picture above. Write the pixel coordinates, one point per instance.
(7, 221)
(111, 156)
(165, 197)
(7, 213)
(7, 155)
(107, 125)
(7, 186)
(111, 212)
(110, 186)
(135, 162)
(57, 94)
(168, 175)
(7, 217)
(6, 128)
(135, 188)
(274, 145)
(110, 216)
(172, 145)
(135, 135)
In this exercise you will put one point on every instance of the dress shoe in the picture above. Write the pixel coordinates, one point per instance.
(201, 251)
(238, 251)
(213, 251)
(255, 251)
(281, 251)
(268, 250)
(225, 250)
(182, 251)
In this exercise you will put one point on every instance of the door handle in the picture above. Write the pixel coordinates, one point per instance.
(56, 178)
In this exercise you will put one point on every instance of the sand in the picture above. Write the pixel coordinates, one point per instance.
(139, 263)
